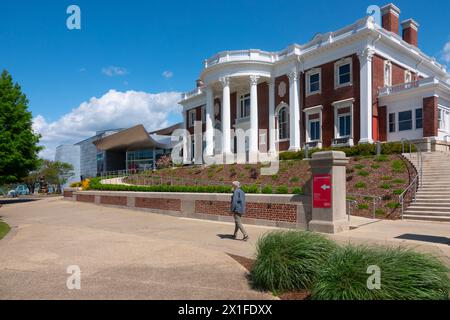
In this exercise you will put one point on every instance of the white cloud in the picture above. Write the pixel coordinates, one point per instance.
(167, 74)
(114, 109)
(446, 52)
(112, 71)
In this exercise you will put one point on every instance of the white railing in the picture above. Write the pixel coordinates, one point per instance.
(192, 93)
(241, 55)
(409, 85)
(264, 56)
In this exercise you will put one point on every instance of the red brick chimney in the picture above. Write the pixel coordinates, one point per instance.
(410, 31)
(390, 17)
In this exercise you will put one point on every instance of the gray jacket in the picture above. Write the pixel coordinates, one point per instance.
(238, 201)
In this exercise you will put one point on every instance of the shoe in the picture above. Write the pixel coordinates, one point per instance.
(234, 236)
(245, 238)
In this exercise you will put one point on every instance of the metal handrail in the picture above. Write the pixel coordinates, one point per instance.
(402, 196)
(419, 157)
(350, 203)
(375, 199)
(418, 179)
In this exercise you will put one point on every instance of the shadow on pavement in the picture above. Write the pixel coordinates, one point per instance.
(7, 201)
(425, 238)
(226, 236)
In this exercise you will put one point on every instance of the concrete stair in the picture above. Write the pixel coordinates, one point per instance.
(433, 196)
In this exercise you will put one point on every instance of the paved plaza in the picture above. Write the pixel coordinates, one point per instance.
(125, 254)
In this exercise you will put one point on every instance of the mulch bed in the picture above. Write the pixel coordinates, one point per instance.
(292, 295)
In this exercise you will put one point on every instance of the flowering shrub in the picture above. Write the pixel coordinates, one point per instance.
(164, 162)
(85, 184)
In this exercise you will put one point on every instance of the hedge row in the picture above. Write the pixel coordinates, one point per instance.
(358, 150)
(95, 184)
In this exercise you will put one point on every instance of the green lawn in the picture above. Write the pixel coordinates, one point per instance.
(4, 229)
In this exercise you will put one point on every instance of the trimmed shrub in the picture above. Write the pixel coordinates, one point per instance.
(363, 173)
(289, 260)
(267, 190)
(399, 181)
(405, 275)
(398, 166)
(75, 185)
(359, 166)
(360, 185)
(382, 158)
(398, 192)
(250, 188)
(386, 178)
(375, 166)
(282, 190)
(363, 206)
(393, 205)
(297, 190)
(385, 186)
(380, 212)
(294, 179)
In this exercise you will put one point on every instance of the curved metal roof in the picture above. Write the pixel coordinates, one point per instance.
(134, 138)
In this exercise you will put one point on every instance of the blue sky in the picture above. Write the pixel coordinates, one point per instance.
(60, 69)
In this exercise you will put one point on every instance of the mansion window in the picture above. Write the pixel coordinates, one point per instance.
(313, 81)
(387, 74)
(283, 123)
(191, 117)
(441, 119)
(408, 76)
(314, 130)
(204, 114)
(244, 106)
(343, 73)
(344, 122)
(391, 122)
(419, 119)
(405, 120)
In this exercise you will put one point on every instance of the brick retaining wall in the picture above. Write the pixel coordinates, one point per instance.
(291, 211)
(158, 203)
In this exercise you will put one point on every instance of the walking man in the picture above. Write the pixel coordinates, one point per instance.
(238, 209)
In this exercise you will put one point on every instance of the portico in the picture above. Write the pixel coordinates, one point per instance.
(240, 109)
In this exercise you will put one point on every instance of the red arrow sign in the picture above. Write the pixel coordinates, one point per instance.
(322, 188)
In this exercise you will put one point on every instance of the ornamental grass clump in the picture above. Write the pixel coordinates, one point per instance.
(404, 275)
(289, 260)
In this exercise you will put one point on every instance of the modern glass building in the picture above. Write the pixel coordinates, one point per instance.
(116, 150)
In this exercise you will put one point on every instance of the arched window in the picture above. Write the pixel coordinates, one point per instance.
(283, 123)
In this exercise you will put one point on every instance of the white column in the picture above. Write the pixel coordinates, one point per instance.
(226, 116)
(253, 141)
(294, 112)
(186, 139)
(272, 131)
(365, 60)
(209, 132)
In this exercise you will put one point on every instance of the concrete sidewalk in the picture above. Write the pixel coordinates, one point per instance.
(125, 254)
(122, 254)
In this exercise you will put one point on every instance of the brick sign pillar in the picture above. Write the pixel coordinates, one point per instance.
(328, 192)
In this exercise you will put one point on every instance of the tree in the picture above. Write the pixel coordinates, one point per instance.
(18, 143)
(51, 172)
(56, 173)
